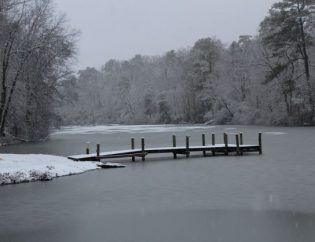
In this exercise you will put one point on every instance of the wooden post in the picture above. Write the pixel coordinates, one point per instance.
(133, 147)
(237, 140)
(142, 149)
(241, 138)
(98, 148)
(260, 143)
(87, 150)
(226, 141)
(213, 144)
(204, 144)
(241, 143)
(174, 145)
(187, 147)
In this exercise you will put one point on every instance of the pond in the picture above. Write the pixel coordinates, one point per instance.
(248, 198)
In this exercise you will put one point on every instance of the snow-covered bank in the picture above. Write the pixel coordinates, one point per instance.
(9, 140)
(25, 168)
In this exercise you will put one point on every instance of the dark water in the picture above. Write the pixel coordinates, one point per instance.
(250, 198)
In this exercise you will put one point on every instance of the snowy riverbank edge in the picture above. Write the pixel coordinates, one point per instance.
(26, 168)
(9, 140)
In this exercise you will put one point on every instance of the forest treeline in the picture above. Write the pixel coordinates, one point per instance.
(264, 79)
(36, 48)
(267, 79)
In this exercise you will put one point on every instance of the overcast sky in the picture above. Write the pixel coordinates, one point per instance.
(119, 29)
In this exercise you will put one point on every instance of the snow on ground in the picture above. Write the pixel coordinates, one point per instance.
(110, 129)
(25, 168)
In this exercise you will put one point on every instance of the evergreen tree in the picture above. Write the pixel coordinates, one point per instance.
(287, 33)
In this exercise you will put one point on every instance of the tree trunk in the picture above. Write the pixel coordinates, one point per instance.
(306, 66)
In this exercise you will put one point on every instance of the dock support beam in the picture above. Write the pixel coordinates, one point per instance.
(142, 149)
(260, 143)
(237, 141)
(226, 142)
(133, 147)
(241, 139)
(213, 144)
(187, 147)
(204, 144)
(174, 145)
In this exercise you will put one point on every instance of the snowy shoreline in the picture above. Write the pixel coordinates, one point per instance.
(26, 168)
(9, 140)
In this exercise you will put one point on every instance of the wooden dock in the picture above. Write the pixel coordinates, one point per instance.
(214, 149)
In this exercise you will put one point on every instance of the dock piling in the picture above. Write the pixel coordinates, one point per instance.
(174, 145)
(226, 141)
(142, 149)
(204, 143)
(213, 144)
(237, 141)
(87, 149)
(187, 147)
(260, 143)
(133, 147)
(98, 149)
(241, 139)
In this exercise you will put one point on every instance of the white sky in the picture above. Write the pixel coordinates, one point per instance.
(119, 29)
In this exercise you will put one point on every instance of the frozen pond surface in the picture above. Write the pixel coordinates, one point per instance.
(268, 198)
